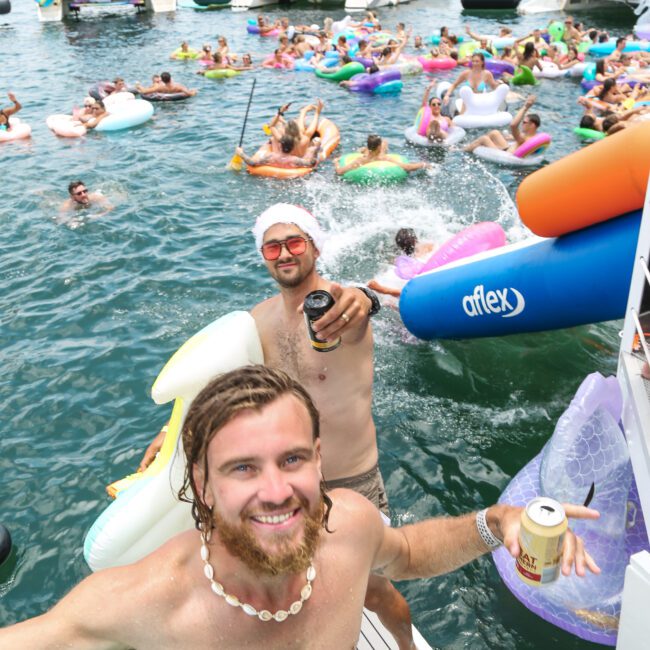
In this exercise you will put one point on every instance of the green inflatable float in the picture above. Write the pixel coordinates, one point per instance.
(379, 172)
(588, 134)
(556, 31)
(524, 77)
(221, 73)
(344, 73)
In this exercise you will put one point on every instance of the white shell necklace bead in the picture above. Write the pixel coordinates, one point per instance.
(264, 614)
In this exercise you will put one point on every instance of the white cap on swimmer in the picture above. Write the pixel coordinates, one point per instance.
(287, 213)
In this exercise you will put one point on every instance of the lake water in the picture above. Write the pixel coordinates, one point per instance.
(90, 309)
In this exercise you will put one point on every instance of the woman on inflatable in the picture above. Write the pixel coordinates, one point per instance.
(530, 58)
(438, 124)
(205, 57)
(6, 113)
(224, 50)
(278, 60)
(603, 73)
(477, 78)
(97, 113)
(571, 59)
(496, 140)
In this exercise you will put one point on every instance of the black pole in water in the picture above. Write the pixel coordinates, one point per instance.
(5, 7)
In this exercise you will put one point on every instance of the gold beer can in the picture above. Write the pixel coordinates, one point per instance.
(541, 537)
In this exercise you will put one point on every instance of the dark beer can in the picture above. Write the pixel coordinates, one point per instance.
(316, 304)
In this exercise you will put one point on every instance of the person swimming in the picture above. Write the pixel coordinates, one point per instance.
(6, 113)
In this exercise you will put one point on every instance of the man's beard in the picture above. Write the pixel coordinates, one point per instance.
(290, 283)
(240, 541)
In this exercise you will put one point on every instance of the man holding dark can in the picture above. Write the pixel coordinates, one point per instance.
(332, 356)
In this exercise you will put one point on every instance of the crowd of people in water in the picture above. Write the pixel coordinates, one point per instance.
(618, 96)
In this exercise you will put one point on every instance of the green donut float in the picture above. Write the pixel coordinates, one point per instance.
(221, 73)
(524, 77)
(588, 134)
(380, 172)
(344, 73)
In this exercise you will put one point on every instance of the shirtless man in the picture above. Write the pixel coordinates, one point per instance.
(119, 86)
(80, 198)
(339, 381)
(376, 149)
(496, 140)
(166, 85)
(292, 561)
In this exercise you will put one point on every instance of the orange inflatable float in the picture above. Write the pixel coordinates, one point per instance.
(601, 181)
(329, 135)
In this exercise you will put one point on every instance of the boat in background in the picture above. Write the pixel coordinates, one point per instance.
(547, 6)
(55, 11)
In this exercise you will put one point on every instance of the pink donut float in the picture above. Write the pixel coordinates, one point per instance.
(476, 239)
(436, 64)
(536, 144)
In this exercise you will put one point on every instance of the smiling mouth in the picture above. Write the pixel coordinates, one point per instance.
(275, 519)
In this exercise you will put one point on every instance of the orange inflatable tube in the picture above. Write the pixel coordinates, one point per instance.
(330, 137)
(601, 181)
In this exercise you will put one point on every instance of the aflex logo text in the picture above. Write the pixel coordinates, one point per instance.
(481, 303)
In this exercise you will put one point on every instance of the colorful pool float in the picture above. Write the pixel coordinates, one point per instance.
(330, 137)
(482, 109)
(66, 126)
(147, 512)
(529, 154)
(587, 448)
(378, 172)
(531, 286)
(547, 199)
(344, 73)
(472, 240)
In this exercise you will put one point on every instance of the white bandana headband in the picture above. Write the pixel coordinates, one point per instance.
(287, 213)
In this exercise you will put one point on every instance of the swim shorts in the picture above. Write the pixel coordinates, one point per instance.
(370, 484)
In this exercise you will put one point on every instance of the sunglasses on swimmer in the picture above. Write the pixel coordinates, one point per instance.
(272, 250)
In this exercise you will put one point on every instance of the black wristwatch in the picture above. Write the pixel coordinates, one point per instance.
(374, 300)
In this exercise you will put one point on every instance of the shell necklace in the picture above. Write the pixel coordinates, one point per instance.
(264, 614)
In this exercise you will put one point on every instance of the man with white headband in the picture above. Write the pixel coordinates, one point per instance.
(290, 240)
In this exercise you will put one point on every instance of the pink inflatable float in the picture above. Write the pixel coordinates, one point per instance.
(429, 64)
(66, 126)
(476, 239)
